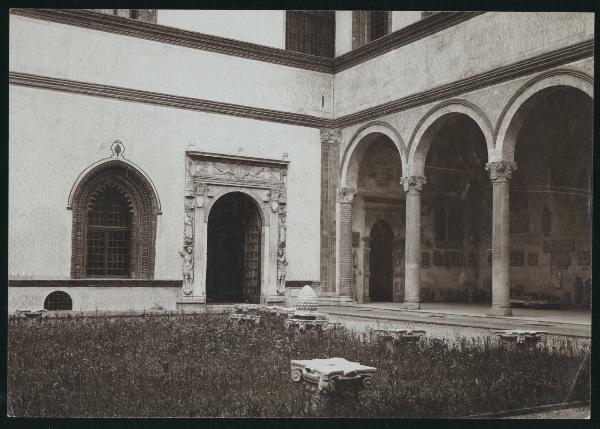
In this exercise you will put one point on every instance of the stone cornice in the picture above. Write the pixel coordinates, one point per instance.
(167, 100)
(191, 39)
(522, 68)
(237, 159)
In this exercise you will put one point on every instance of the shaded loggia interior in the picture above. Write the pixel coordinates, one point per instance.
(378, 223)
(456, 214)
(551, 198)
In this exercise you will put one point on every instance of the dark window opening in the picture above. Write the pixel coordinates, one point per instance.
(369, 25)
(310, 32)
(58, 301)
(108, 234)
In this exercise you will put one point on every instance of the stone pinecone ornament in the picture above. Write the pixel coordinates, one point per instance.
(307, 300)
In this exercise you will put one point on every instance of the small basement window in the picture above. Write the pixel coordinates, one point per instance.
(58, 301)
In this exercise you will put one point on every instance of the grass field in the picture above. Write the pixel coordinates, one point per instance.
(201, 365)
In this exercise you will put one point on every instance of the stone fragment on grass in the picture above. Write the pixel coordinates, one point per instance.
(329, 374)
(522, 337)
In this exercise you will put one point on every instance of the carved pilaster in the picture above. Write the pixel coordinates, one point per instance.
(331, 135)
(281, 204)
(187, 253)
(413, 184)
(500, 171)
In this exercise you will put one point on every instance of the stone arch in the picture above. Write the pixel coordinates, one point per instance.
(259, 205)
(144, 205)
(356, 148)
(511, 121)
(426, 129)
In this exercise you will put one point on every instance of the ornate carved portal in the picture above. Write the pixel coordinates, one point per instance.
(208, 177)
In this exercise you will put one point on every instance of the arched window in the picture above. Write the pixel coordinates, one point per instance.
(58, 301)
(114, 223)
(108, 234)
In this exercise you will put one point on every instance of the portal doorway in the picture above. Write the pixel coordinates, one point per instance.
(233, 250)
(381, 262)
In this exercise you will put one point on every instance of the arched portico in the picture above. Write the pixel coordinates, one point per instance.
(516, 122)
(438, 120)
(372, 140)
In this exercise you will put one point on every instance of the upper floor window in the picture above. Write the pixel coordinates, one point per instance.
(369, 25)
(146, 15)
(310, 32)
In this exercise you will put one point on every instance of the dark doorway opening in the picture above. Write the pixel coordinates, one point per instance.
(381, 263)
(233, 250)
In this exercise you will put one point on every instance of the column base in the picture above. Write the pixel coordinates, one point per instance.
(410, 305)
(191, 303)
(499, 311)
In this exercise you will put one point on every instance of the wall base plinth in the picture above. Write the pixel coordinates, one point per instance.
(191, 303)
(273, 299)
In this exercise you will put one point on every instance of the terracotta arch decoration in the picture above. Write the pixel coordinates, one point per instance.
(144, 207)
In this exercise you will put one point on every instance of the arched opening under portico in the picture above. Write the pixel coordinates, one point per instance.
(378, 212)
(551, 199)
(456, 212)
(233, 263)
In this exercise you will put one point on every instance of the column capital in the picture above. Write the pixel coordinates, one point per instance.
(346, 195)
(500, 171)
(331, 135)
(413, 183)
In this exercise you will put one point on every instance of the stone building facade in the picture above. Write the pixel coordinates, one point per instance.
(163, 159)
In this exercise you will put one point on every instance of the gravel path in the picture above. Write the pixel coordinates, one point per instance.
(449, 332)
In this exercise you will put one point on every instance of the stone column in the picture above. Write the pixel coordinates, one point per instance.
(330, 147)
(500, 173)
(346, 195)
(412, 257)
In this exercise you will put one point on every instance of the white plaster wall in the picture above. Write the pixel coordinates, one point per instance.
(343, 32)
(54, 136)
(68, 52)
(90, 298)
(263, 27)
(474, 46)
(401, 19)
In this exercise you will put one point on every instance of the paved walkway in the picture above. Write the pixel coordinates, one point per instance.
(570, 322)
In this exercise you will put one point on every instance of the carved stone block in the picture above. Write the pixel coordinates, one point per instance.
(329, 374)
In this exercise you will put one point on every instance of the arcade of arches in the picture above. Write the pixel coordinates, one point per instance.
(467, 225)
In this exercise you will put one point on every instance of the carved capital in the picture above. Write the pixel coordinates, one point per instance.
(413, 183)
(331, 135)
(500, 171)
(346, 195)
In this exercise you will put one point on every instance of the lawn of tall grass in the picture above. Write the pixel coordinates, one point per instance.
(201, 365)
